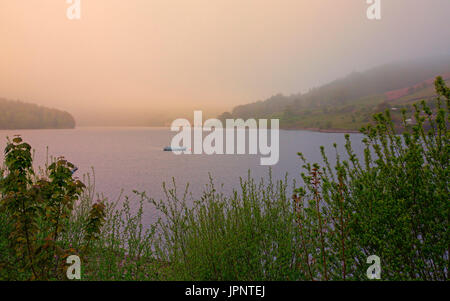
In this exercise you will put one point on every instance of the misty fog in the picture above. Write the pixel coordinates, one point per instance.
(146, 62)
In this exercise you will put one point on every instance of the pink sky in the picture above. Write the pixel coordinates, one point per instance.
(135, 57)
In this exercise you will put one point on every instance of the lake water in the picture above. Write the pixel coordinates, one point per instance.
(133, 158)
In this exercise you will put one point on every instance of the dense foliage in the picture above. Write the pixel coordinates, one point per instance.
(392, 203)
(35, 211)
(395, 204)
(20, 115)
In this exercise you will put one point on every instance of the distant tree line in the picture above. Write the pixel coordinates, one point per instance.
(21, 115)
(344, 91)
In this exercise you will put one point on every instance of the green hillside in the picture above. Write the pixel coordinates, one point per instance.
(21, 115)
(355, 114)
(347, 104)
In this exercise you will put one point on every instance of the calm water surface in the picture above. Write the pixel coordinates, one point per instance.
(132, 158)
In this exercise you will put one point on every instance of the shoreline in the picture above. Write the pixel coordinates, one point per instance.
(164, 127)
(343, 131)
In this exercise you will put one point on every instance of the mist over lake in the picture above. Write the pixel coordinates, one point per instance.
(132, 158)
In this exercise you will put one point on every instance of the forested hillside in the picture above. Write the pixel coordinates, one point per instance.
(21, 115)
(349, 102)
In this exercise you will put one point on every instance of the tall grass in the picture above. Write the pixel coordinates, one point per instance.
(250, 235)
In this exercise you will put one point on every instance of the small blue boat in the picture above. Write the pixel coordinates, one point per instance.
(174, 149)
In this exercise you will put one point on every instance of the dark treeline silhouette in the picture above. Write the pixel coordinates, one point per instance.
(21, 115)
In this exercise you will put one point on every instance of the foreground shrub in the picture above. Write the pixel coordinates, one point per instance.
(251, 235)
(394, 203)
(35, 211)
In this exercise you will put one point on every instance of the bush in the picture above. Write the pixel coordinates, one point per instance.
(35, 211)
(249, 236)
(394, 204)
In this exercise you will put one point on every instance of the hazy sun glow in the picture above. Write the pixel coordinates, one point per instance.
(129, 59)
